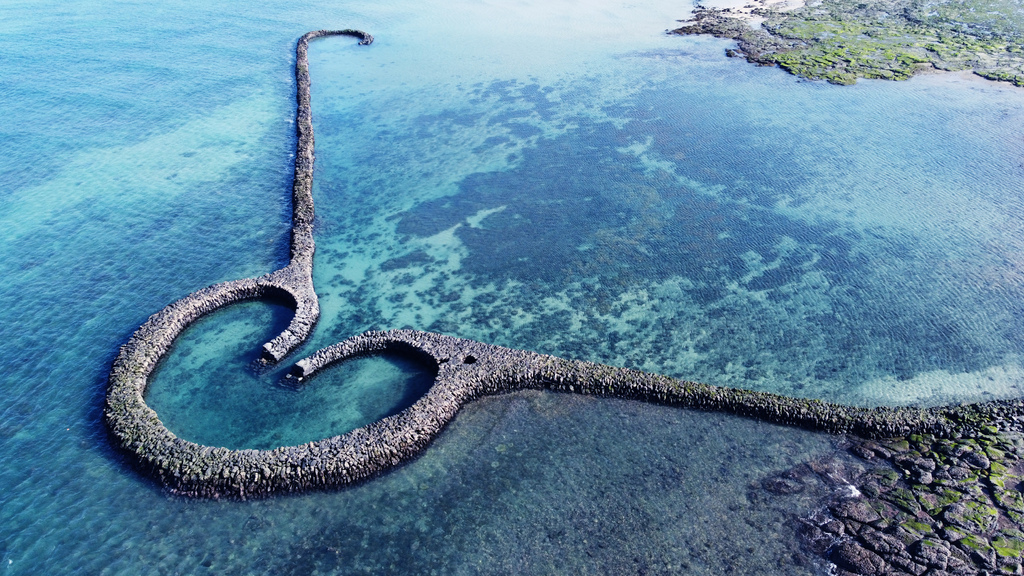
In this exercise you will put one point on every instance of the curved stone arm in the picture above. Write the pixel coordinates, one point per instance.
(297, 277)
(128, 418)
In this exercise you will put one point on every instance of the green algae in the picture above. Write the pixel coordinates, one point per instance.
(1012, 500)
(898, 445)
(842, 40)
(975, 520)
(947, 497)
(906, 500)
(1008, 547)
(982, 516)
(974, 542)
(916, 526)
(954, 534)
(888, 477)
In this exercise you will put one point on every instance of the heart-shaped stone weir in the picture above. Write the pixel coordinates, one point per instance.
(466, 370)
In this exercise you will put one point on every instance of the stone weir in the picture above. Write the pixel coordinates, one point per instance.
(466, 370)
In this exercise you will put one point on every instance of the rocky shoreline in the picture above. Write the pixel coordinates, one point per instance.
(841, 40)
(921, 504)
(943, 496)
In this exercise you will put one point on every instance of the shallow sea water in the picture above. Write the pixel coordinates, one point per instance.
(556, 176)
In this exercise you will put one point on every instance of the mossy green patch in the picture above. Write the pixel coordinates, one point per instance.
(887, 476)
(975, 542)
(905, 499)
(898, 445)
(929, 501)
(947, 497)
(884, 511)
(917, 526)
(1011, 499)
(954, 534)
(982, 516)
(1008, 547)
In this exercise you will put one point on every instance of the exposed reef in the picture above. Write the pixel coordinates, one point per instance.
(842, 40)
(927, 505)
(943, 496)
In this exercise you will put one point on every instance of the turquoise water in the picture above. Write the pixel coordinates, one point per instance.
(546, 175)
(250, 407)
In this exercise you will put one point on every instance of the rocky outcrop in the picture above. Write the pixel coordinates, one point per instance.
(929, 505)
(842, 40)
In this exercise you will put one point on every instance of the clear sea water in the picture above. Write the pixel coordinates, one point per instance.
(553, 175)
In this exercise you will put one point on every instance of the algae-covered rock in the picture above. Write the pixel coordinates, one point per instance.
(1008, 546)
(857, 559)
(964, 523)
(857, 510)
(905, 499)
(974, 517)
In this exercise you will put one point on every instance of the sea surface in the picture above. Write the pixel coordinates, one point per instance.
(553, 175)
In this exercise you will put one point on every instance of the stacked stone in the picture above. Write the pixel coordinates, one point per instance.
(302, 185)
(298, 275)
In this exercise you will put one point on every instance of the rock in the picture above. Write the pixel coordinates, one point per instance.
(881, 542)
(973, 517)
(854, 510)
(954, 514)
(958, 473)
(932, 553)
(986, 558)
(910, 462)
(782, 485)
(871, 489)
(833, 527)
(905, 562)
(851, 556)
(958, 565)
(861, 451)
(923, 477)
(878, 449)
(976, 460)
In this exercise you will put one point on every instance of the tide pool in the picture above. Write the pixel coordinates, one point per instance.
(557, 176)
